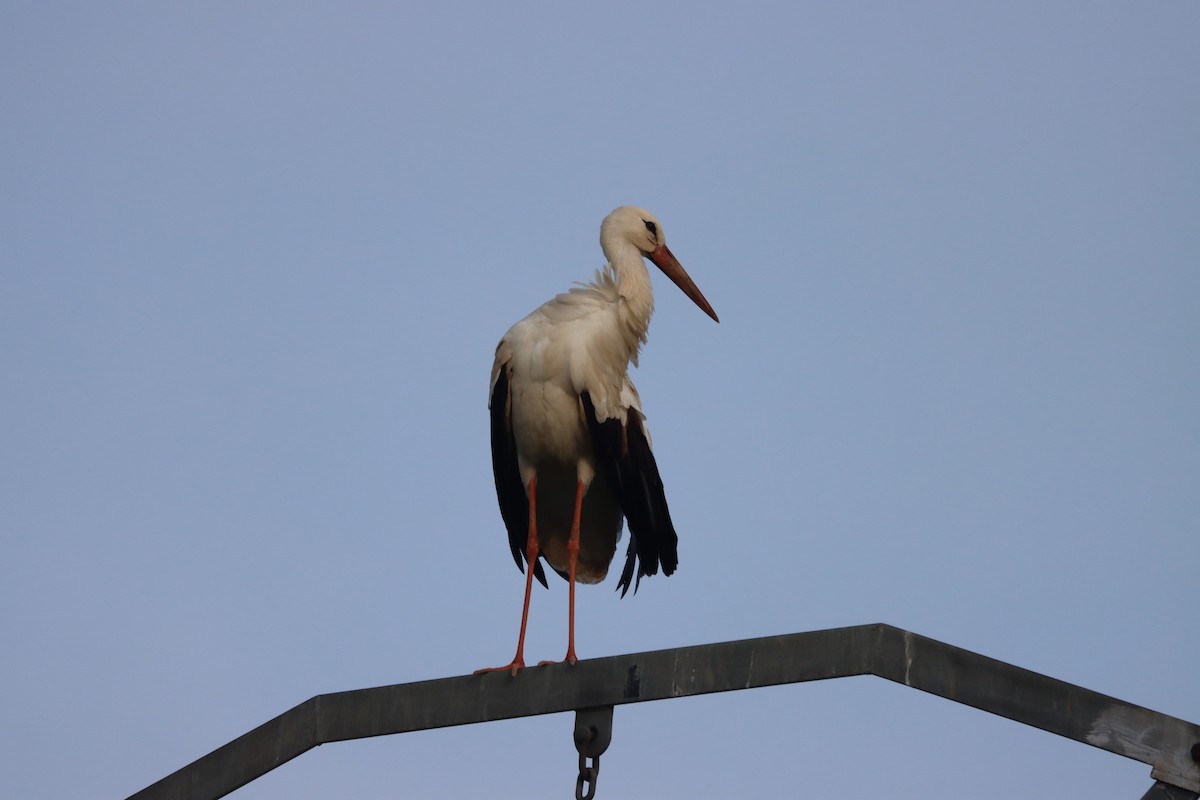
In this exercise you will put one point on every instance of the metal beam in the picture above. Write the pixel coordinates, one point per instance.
(1165, 791)
(1165, 743)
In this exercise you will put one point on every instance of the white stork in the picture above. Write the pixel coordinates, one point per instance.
(570, 451)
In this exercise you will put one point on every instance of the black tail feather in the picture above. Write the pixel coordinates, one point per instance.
(510, 490)
(626, 461)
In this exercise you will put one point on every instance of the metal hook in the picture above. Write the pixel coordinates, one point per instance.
(593, 733)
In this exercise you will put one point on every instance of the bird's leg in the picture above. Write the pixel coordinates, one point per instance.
(572, 559)
(531, 556)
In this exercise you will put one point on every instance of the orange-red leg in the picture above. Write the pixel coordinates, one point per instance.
(572, 559)
(531, 556)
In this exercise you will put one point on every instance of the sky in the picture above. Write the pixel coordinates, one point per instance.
(255, 261)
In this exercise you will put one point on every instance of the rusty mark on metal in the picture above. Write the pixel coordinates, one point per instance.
(633, 683)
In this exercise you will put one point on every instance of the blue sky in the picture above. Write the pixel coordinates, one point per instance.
(256, 258)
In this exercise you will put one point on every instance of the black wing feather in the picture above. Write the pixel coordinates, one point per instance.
(510, 491)
(625, 460)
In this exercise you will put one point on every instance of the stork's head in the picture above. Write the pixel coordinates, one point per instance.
(634, 225)
(638, 227)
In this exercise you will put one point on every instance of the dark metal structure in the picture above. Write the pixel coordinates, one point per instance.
(1169, 745)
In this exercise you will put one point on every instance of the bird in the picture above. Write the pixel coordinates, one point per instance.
(571, 453)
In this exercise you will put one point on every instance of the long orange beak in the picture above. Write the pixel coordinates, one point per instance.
(664, 260)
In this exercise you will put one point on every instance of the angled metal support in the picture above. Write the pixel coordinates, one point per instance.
(1165, 791)
(1169, 745)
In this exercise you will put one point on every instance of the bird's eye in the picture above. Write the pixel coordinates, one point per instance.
(650, 226)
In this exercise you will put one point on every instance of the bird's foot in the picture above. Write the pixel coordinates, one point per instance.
(517, 663)
(570, 659)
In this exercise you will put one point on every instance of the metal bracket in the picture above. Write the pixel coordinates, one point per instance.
(593, 733)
